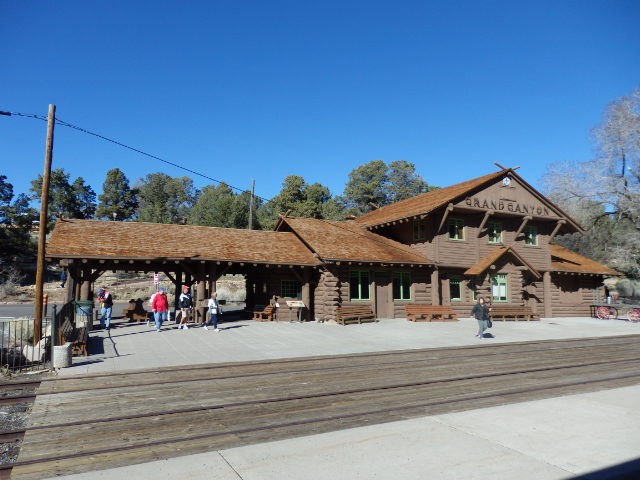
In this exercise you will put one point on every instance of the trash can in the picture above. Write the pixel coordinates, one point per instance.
(84, 314)
(62, 355)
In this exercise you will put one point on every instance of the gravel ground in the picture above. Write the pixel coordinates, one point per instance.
(15, 417)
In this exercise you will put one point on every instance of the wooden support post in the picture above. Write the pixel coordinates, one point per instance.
(435, 287)
(42, 229)
(546, 286)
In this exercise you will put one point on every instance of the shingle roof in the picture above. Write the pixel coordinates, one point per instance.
(565, 260)
(136, 240)
(349, 241)
(493, 257)
(425, 203)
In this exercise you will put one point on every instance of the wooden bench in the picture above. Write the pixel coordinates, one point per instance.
(512, 312)
(136, 312)
(430, 313)
(78, 337)
(346, 314)
(263, 313)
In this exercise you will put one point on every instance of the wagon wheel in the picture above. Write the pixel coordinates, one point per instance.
(634, 315)
(605, 312)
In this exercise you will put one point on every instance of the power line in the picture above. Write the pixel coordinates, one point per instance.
(123, 145)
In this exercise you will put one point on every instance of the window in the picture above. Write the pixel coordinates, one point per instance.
(401, 286)
(495, 232)
(499, 288)
(359, 285)
(531, 236)
(291, 289)
(456, 229)
(419, 230)
(455, 289)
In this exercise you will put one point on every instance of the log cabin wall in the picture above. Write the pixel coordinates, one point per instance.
(572, 295)
(327, 296)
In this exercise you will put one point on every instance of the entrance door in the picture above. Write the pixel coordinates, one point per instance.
(384, 302)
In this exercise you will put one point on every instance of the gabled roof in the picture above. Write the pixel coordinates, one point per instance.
(565, 260)
(426, 202)
(492, 258)
(137, 240)
(349, 241)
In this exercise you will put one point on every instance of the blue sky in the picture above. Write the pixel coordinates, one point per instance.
(242, 90)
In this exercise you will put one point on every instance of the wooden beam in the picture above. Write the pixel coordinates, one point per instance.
(487, 215)
(525, 220)
(444, 217)
(560, 223)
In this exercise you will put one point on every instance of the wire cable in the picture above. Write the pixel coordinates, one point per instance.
(123, 145)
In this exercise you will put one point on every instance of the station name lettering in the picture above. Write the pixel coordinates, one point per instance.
(507, 206)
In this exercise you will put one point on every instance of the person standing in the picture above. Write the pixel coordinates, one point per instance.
(106, 304)
(214, 310)
(186, 302)
(481, 313)
(160, 307)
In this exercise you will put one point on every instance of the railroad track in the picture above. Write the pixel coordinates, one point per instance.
(104, 421)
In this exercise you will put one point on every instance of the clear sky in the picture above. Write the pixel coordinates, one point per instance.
(242, 90)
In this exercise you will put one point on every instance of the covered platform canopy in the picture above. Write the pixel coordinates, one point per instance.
(187, 254)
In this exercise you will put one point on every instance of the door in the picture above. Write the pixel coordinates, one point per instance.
(384, 302)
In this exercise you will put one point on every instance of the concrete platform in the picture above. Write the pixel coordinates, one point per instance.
(594, 435)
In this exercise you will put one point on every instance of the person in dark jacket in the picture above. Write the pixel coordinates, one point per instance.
(186, 303)
(481, 313)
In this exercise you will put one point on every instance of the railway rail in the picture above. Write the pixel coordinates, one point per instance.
(103, 421)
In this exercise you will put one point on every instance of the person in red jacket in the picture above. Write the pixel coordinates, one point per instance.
(160, 307)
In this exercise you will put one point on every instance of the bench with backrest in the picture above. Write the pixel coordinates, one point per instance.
(346, 314)
(78, 337)
(136, 312)
(430, 313)
(263, 313)
(512, 312)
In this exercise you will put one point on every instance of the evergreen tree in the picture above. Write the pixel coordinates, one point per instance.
(117, 197)
(164, 199)
(404, 182)
(70, 200)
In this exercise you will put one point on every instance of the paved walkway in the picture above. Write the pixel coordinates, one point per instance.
(593, 435)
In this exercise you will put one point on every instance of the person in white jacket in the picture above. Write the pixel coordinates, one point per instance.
(214, 311)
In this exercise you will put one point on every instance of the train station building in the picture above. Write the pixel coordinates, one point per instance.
(491, 236)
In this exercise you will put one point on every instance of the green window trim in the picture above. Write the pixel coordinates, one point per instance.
(531, 236)
(419, 230)
(500, 288)
(495, 232)
(401, 286)
(456, 229)
(291, 289)
(359, 285)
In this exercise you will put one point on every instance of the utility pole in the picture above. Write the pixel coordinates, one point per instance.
(42, 230)
(253, 187)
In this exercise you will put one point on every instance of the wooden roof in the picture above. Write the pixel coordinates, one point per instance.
(350, 242)
(492, 258)
(136, 240)
(565, 260)
(425, 203)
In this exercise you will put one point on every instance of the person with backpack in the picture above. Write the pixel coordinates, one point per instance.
(186, 303)
(106, 304)
(481, 313)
